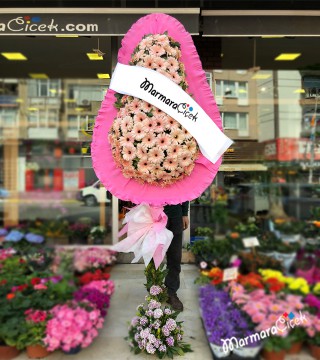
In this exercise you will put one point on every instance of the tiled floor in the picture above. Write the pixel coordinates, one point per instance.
(130, 292)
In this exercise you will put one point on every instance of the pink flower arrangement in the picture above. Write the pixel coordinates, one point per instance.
(72, 325)
(6, 253)
(93, 258)
(147, 144)
(104, 286)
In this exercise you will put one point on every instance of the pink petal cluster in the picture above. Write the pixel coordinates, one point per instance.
(147, 144)
(72, 326)
(104, 286)
(265, 309)
(93, 258)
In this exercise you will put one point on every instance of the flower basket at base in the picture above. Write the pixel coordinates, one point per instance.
(73, 351)
(315, 351)
(295, 348)
(37, 352)
(273, 355)
(8, 352)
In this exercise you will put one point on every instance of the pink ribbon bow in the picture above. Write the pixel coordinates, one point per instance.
(148, 236)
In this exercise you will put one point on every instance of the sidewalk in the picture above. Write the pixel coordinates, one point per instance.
(129, 293)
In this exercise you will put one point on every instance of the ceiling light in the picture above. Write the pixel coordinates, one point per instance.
(53, 91)
(38, 76)
(13, 56)
(79, 109)
(103, 76)
(263, 89)
(69, 100)
(242, 91)
(299, 91)
(33, 109)
(261, 76)
(67, 36)
(94, 56)
(19, 100)
(287, 56)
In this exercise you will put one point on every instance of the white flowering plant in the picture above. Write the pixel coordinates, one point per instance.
(155, 330)
(147, 144)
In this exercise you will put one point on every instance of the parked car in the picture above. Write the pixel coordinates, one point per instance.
(93, 195)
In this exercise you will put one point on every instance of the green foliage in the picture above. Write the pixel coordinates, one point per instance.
(277, 343)
(203, 231)
(210, 250)
(247, 229)
(289, 227)
(156, 277)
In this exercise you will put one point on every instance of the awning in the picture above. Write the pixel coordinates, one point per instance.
(85, 21)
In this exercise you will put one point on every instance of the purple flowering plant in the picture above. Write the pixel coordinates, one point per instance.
(222, 318)
(155, 329)
(94, 296)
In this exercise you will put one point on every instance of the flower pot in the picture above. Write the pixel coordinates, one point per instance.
(247, 352)
(286, 259)
(218, 351)
(295, 348)
(8, 352)
(73, 351)
(37, 352)
(315, 351)
(290, 238)
(273, 355)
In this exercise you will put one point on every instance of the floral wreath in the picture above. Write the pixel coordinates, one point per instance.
(117, 138)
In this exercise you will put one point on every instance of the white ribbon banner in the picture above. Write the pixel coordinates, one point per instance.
(158, 90)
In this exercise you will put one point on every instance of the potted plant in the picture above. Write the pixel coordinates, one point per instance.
(275, 347)
(9, 332)
(78, 233)
(97, 235)
(93, 258)
(296, 337)
(286, 253)
(289, 230)
(34, 333)
(84, 321)
(201, 233)
(313, 335)
(39, 259)
(212, 252)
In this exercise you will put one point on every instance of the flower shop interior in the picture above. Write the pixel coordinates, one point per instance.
(251, 255)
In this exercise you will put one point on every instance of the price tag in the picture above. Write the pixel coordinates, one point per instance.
(230, 274)
(250, 242)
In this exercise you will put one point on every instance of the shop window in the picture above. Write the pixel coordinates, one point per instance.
(85, 94)
(236, 121)
(8, 117)
(232, 89)
(44, 88)
(230, 121)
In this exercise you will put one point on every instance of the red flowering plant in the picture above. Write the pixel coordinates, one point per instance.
(89, 276)
(34, 326)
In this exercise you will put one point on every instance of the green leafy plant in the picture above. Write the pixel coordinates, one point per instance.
(203, 231)
(214, 252)
(156, 277)
(277, 343)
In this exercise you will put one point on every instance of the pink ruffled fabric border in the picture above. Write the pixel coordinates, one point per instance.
(204, 171)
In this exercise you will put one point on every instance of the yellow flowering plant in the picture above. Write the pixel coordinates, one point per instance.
(298, 285)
